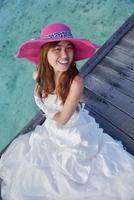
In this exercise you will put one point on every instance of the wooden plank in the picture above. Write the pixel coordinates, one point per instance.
(129, 38)
(108, 46)
(111, 129)
(122, 69)
(130, 34)
(122, 56)
(112, 78)
(113, 96)
(119, 119)
(126, 45)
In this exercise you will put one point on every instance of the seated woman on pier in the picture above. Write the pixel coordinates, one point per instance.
(68, 157)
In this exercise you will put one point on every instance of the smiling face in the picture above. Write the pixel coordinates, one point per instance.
(61, 56)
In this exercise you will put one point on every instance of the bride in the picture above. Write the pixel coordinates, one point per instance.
(68, 157)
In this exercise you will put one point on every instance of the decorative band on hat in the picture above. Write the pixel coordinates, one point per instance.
(63, 34)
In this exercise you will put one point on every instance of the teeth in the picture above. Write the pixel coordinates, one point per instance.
(63, 62)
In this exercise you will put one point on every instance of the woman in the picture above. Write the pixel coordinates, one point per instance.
(68, 157)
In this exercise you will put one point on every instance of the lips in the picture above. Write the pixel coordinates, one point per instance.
(63, 62)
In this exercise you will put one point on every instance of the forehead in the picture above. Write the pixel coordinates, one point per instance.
(64, 43)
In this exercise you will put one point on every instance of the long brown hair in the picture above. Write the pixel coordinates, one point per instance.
(45, 80)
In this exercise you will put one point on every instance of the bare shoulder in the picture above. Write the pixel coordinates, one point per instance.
(78, 82)
(77, 86)
(78, 78)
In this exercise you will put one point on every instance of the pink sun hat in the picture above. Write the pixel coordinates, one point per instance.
(30, 49)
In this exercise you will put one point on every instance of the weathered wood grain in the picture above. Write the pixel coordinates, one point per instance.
(111, 113)
(115, 97)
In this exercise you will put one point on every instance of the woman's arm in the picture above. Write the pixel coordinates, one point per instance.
(36, 89)
(35, 75)
(71, 102)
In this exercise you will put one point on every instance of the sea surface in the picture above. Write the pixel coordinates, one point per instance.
(21, 20)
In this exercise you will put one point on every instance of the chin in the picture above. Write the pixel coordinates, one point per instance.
(63, 70)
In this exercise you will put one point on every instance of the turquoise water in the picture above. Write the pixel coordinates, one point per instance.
(21, 20)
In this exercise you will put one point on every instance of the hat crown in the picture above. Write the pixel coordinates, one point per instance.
(54, 28)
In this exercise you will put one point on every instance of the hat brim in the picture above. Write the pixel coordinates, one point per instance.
(82, 48)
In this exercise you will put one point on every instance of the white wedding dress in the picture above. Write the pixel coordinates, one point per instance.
(75, 161)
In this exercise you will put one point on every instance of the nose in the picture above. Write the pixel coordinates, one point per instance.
(64, 53)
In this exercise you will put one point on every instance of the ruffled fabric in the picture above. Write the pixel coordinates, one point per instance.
(66, 162)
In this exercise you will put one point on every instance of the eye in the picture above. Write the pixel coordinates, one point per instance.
(57, 49)
(70, 47)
